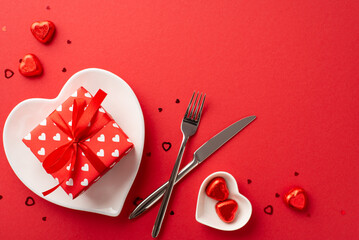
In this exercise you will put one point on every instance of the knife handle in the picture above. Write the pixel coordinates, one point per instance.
(156, 195)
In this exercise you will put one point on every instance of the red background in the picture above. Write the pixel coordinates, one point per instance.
(293, 64)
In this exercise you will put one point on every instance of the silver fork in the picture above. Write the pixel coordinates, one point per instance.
(189, 127)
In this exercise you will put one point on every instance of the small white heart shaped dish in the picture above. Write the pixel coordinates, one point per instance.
(106, 196)
(206, 206)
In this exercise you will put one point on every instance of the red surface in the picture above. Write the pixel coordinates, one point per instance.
(294, 64)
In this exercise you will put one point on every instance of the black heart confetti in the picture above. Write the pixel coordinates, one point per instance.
(166, 146)
(137, 201)
(8, 73)
(29, 201)
(268, 210)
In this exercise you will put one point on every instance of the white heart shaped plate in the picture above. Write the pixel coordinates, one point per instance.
(106, 196)
(206, 206)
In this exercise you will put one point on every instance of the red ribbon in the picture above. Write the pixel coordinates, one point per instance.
(83, 127)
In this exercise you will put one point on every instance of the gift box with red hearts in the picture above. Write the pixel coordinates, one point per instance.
(78, 142)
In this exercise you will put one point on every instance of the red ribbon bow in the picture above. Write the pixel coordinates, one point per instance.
(84, 127)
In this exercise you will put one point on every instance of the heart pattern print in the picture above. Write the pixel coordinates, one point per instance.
(110, 144)
(57, 137)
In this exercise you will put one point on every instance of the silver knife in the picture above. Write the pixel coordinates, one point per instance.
(199, 156)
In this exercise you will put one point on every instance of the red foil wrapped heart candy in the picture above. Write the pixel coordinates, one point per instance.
(43, 31)
(226, 210)
(296, 198)
(30, 66)
(217, 189)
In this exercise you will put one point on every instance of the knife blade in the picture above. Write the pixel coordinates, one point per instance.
(201, 154)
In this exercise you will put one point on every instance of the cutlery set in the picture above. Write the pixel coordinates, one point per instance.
(189, 127)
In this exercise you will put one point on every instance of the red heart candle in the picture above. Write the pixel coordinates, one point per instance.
(30, 66)
(226, 210)
(217, 189)
(296, 198)
(43, 31)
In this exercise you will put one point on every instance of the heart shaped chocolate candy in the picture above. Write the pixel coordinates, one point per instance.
(296, 198)
(217, 189)
(226, 210)
(30, 66)
(43, 31)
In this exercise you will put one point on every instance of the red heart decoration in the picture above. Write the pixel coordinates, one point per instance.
(43, 31)
(226, 210)
(30, 66)
(217, 189)
(296, 198)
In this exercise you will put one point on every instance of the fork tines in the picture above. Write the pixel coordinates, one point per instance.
(192, 112)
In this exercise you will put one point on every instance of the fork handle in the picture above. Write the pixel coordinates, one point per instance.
(158, 193)
(161, 213)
